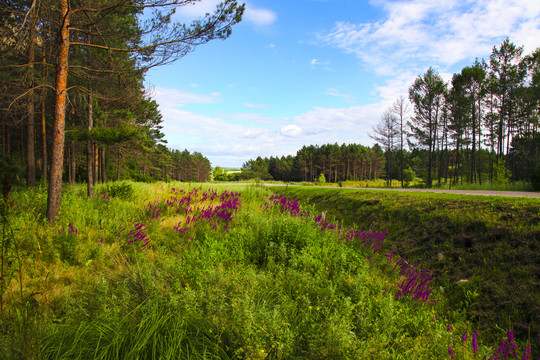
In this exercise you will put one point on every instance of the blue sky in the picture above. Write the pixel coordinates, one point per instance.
(301, 72)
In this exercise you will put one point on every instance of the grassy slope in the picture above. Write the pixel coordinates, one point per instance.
(492, 242)
(272, 287)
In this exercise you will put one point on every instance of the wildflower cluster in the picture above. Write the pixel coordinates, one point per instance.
(416, 283)
(193, 204)
(137, 238)
(66, 242)
(104, 196)
(215, 216)
(285, 205)
(153, 210)
(507, 348)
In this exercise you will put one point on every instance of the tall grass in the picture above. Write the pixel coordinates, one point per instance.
(189, 272)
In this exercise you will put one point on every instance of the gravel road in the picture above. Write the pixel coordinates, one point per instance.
(460, 192)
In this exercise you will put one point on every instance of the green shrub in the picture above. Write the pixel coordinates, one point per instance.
(66, 241)
(120, 190)
(535, 179)
(408, 176)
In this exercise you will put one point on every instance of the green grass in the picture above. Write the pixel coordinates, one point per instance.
(272, 287)
(492, 243)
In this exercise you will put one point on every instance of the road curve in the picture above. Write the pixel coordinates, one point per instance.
(442, 191)
(524, 194)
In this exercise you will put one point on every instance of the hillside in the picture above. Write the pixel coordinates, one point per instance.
(484, 251)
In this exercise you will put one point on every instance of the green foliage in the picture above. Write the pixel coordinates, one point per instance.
(143, 178)
(500, 172)
(321, 179)
(121, 190)
(13, 166)
(535, 178)
(67, 241)
(408, 176)
(103, 135)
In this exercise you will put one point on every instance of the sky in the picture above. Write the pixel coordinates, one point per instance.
(312, 72)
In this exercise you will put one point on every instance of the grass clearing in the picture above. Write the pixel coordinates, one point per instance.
(180, 271)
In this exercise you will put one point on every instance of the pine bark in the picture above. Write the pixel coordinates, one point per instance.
(90, 152)
(54, 199)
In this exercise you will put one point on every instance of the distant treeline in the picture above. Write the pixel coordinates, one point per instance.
(335, 162)
(353, 162)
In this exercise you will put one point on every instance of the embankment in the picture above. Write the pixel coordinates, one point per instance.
(492, 243)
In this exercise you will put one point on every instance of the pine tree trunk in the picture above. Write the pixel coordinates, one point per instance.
(54, 199)
(43, 137)
(89, 152)
(4, 133)
(103, 167)
(8, 145)
(30, 152)
(43, 128)
(22, 138)
(95, 164)
(118, 166)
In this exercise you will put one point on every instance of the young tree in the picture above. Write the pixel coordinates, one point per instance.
(506, 76)
(386, 133)
(401, 109)
(427, 96)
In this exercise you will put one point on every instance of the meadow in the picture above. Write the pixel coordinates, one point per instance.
(181, 271)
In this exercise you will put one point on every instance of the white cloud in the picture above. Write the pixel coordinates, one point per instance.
(252, 14)
(336, 93)
(198, 9)
(255, 106)
(176, 98)
(291, 130)
(314, 62)
(259, 16)
(442, 32)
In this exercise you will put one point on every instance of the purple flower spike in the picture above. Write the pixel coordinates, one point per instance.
(527, 353)
(475, 344)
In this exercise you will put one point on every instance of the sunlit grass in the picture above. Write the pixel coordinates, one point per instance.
(246, 282)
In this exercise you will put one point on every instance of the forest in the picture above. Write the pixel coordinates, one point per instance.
(481, 127)
(73, 106)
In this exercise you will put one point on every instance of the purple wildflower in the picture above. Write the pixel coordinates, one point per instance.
(475, 343)
(527, 352)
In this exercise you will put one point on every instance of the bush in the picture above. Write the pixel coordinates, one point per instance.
(321, 179)
(408, 176)
(143, 178)
(67, 241)
(535, 179)
(120, 190)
